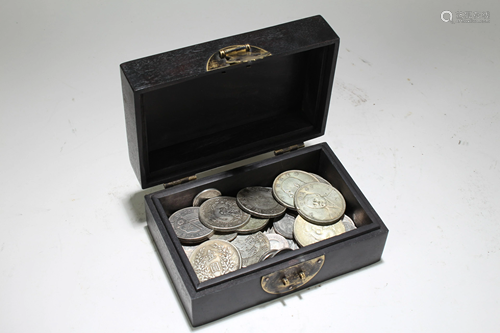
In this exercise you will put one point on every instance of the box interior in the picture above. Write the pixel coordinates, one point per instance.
(237, 111)
(312, 159)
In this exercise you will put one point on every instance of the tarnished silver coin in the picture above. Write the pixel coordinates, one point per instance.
(222, 214)
(254, 225)
(321, 179)
(215, 258)
(204, 195)
(306, 233)
(251, 247)
(269, 230)
(187, 226)
(320, 203)
(277, 242)
(224, 236)
(292, 244)
(287, 183)
(284, 225)
(269, 254)
(259, 201)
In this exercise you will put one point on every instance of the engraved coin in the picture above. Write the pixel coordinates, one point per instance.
(277, 242)
(287, 183)
(284, 225)
(204, 195)
(215, 258)
(251, 247)
(254, 225)
(224, 236)
(320, 203)
(187, 226)
(222, 214)
(321, 179)
(307, 233)
(259, 201)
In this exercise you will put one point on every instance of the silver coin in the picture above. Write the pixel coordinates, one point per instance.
(224, 236)
(251, 247)
(259, 201)
(254, 225)
(189, 249)
(287, 183)
(292, 244)
(321, 179)
(269, 230)
(269, 254)
(277, 242)
(284, 225)
(222, 214)
(348, 223)
(204, 195)
(320, 203)
(307, 233)
(187, 226)
(215, 258)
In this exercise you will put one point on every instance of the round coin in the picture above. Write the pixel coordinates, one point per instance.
(224, 236)
(284, 225)
(252, 226)
(204, 195)
(259, 201)
(222, 214)
(189, 249)
(306, 233)
(215, 258)
(320, 203)
(269, 254)
(348, 223)
(187, 226)
(251, 247)
(277, 242)
(321, 179)
(287, 183)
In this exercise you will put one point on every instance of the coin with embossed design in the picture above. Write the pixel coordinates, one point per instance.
(215, 258)
(320, 203)
(259, 201)
(254, 225)
(187, 226)
(277, 242)
(321, 179)
(284, 225)
(307, 233)
(287, 183)
(204, 195)
(251, 247)
(222, 214)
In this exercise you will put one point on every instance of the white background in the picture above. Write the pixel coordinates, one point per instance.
(414, 117)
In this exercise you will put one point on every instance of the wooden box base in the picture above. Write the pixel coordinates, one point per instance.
(219, 297)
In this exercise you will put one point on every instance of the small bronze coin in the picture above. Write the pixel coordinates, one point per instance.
(187, 226)
(222, 214)
(215, 258)
(258, 201)
(204, 195)
(320, 203)
(287, 183)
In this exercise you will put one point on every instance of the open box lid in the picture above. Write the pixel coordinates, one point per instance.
(183, 116)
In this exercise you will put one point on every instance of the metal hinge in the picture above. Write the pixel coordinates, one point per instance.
(179, 181)
(288, 149)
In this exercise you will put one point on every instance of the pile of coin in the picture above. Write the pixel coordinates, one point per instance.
(221, 234)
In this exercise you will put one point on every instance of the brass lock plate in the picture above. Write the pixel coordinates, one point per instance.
(235, 54)
(293, 277)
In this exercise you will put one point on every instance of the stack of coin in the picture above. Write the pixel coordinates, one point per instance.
(221, 234)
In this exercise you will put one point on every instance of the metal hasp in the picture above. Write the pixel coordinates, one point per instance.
(235, 54)
(292, 277)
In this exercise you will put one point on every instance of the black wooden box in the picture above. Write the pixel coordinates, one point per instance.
(195, 109)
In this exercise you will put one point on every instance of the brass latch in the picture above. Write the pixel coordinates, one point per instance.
(235, 54)
(292, 277)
